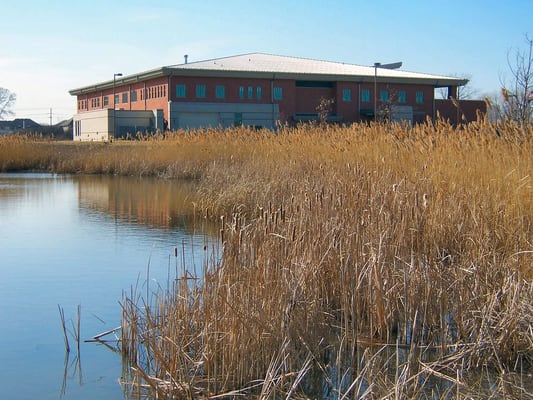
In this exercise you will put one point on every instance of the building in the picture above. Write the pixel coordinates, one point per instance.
(259, 90)
(19, 125)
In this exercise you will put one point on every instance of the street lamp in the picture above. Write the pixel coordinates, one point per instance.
(114, 104)
(377, 65)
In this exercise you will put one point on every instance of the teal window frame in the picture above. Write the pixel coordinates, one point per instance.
(365, 96)
(346, 94)
(419, 97)
(402, 96)
(201, 91)
(278, 93)
(181, 90)
(220, 91)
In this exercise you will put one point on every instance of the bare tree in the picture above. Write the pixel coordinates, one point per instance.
(385, 107)
(324, 109)
(495, 107)
(7, 99)
(518, 95)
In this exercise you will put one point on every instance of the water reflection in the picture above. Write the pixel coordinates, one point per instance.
(146, 201)
(83, 240)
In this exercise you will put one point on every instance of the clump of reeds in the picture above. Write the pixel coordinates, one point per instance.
(364, 261)
(370, 261)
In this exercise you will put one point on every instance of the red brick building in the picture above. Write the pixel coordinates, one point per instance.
(257, 90)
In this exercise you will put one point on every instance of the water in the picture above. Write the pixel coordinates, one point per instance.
(73, 241)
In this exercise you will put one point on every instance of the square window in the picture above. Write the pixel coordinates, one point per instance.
(419, 97)
(133, 96)
(125, 97)
(402, 96)
(384, 95)
(220, 91)
(181, 90)
(346, 94)
(200, 91)
(278, 93)
(365, 95)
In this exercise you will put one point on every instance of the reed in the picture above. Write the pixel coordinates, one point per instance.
(366, 261)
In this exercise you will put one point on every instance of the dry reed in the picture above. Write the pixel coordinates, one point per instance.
(365, 261)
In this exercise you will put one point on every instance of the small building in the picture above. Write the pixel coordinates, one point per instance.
(19, 125)
(258, 90)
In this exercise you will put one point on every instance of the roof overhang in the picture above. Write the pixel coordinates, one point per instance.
(278, 68)
(433, 81)
(123, 80)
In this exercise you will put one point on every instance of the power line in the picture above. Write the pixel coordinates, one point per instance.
(50, 116)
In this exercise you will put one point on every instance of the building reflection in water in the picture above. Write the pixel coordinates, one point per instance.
(164, 204)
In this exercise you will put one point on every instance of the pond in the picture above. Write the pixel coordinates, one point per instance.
(69, 241)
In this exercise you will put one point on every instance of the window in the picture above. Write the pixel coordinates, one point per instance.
(384, 95)
(106, 101)
(125, 97)
(365, 95)
(220, 91)
(346, 94)
(133, 96)
(200, 91)
(250, 92)
(402, 96)
(278, 93)
(180, 90)
(116, 99)
(241, 92)
(259, 93)
(419, 97)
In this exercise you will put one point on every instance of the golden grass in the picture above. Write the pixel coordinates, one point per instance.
(340, 244)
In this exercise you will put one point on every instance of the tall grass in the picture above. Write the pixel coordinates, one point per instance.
(365, 261)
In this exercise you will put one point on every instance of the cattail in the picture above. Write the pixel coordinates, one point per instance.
(425, 201)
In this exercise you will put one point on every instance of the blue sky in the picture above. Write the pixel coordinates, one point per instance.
(50, 47)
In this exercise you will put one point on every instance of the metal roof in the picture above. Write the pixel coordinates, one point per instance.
(260, 65)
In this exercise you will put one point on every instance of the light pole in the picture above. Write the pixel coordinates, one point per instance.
(377, 65)
(114, 105)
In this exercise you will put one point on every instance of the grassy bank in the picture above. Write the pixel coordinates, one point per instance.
(339, 244)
